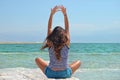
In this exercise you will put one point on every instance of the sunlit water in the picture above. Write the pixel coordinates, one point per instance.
(100, 61)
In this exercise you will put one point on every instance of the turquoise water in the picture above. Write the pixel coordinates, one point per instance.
(100, 61)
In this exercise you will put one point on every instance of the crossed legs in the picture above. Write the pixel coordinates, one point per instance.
(43, 64)
(75, 65)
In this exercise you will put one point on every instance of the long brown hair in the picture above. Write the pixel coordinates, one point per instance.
(57, 39)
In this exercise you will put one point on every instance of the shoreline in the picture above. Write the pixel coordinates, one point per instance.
(21, 73)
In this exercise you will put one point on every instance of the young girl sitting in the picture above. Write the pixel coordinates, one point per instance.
(58, 42)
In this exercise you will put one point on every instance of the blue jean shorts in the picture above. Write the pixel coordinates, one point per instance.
(58, 74)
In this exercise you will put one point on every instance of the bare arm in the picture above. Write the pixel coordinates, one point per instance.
(66, 23)
(50, 24)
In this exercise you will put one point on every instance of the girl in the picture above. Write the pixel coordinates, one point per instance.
(58, 42)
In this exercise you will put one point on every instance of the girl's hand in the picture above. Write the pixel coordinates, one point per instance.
(63, 9)
(54, 10)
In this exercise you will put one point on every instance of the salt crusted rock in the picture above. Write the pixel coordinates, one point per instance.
(25, 74)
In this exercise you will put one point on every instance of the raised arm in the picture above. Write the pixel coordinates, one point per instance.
(66, 23)
(50, 19)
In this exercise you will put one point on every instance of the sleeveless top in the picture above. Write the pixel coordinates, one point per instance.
(63, 63)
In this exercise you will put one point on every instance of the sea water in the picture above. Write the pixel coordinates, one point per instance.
(100, 61)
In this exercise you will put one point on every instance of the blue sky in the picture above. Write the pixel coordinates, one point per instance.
(91, 21)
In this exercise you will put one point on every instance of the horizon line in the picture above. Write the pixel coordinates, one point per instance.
(42, 42)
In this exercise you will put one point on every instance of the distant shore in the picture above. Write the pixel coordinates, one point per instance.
(20, 42)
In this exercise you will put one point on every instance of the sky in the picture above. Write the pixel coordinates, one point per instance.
(91, 21)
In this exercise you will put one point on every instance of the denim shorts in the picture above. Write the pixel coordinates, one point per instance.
(58, 74)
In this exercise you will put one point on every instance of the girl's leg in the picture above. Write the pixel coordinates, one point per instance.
(75, 65)
(41, 64)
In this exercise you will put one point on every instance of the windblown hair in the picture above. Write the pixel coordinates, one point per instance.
(57, 39)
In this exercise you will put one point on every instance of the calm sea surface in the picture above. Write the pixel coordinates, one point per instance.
(100, 61)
